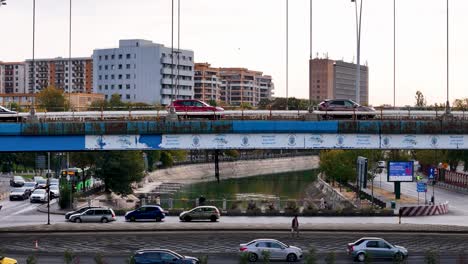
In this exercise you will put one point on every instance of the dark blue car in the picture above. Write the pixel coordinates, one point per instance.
(147, 212)
(162, 256)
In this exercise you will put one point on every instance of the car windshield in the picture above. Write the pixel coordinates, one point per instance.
(39, 191)
(29, 184)
(18, 178)
(17, 190)
(281, 243)
(54, 187)
(41, 181)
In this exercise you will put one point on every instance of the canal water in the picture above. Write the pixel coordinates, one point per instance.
(284, 186)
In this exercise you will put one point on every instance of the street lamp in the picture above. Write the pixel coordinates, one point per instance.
(447, 106)
(358, 39)
(32, 110)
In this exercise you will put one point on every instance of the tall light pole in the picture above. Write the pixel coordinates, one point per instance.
(70, 84)
(394, 53)
(310, 57)
(447, 105)
(172, 52)
(358, 38)
(287, 53)
(32, 110)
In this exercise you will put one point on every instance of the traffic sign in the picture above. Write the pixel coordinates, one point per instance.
(421, 187)
(432, 173)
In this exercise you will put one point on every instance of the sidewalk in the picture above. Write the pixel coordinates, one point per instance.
(224, 227)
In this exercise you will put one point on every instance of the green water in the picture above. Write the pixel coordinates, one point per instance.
(284, 186)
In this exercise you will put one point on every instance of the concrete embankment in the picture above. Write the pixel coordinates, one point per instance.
(246, 168)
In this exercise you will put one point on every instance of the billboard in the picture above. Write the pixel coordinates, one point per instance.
(400, 171)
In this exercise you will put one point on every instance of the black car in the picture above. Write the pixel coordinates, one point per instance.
(17, 181)
(19, 194)
(79, 211)
(160, 256)
(345, 105)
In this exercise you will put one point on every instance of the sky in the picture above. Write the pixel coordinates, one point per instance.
(252, 34)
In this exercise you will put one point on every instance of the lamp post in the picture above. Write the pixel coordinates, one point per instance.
(447, 105)
(394, 53)
(358, 40)
(287, 53)
(48, 188)
(32, 111)
(70, 83)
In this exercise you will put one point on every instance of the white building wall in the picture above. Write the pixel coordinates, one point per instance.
(143, 70)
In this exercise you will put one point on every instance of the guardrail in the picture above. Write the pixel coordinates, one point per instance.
(236, 115)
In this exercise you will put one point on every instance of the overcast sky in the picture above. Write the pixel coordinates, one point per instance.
(251, 33)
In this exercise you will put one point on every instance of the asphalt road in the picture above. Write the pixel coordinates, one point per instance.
(219, 259)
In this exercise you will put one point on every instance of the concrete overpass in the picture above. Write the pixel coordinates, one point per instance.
(231, 134)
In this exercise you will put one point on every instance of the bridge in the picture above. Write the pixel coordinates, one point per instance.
(234, 134)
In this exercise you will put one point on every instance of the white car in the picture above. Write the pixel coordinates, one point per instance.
(54, 191)
(39, 195)
(277, 249)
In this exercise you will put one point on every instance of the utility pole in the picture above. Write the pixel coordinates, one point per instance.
(48, 188)
(287, 53)
(358, 40)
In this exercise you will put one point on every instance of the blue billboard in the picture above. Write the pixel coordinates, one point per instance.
(400, 171)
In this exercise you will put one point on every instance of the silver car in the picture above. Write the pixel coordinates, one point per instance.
(102, 215)
(145, 256)
(277, 249)
(54, 191)
(39, 195)
(375, 248)
(201, 213)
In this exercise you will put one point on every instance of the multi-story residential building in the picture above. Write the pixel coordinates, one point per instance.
(240, 85)
(329, 79)
(12, 77)
(143, 71)
(55, 72)
(207, 82)
(79, 101)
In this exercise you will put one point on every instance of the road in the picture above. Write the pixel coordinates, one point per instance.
(458, 207)
(215, 259)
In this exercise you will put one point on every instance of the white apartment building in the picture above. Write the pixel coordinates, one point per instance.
(142, 71)
(12, 77)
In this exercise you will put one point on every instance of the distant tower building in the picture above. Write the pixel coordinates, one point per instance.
(329, 79)
(142, 71)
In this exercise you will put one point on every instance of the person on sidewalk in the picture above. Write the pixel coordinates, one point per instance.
(158, 200)
(295, 226)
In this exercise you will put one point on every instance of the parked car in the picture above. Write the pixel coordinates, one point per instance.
(5, 260)
(147, 212)
(31, 186)
(102, 215)
(39, 195)
(345, 105)
(375, 248)
(54, 191)
(277, 249)
(9, 115)
(162, 256)
(19, 194)
(41, 183)
(54, 181)
(17, 181)
(79, 211)
(201, 213)
(37, 178)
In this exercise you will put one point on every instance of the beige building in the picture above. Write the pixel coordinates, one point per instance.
(79, 101)
(207, 84)
(329, 79)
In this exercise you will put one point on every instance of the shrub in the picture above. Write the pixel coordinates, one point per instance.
(68, 256)
(244, 258)
(291, 207)
(431, 257)
(65, 196)
(204, 260)
(330, 258)
(31, 260)
(99, 259)
(311, 257)
(266, 256)
(131, 260)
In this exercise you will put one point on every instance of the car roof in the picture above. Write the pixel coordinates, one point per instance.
(371, 238)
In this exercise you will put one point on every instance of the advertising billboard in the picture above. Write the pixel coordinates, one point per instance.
(400, 171)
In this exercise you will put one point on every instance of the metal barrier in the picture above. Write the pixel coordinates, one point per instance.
(456, 179)
(424, 210)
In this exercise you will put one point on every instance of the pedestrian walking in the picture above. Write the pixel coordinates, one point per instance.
(158, 200)
(295, 226)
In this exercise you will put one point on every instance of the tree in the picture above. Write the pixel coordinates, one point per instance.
(51, 99)
(116, 101)
(119, 169)
(84, 160)
(420, 100)
(99, 104)
(460, 104)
